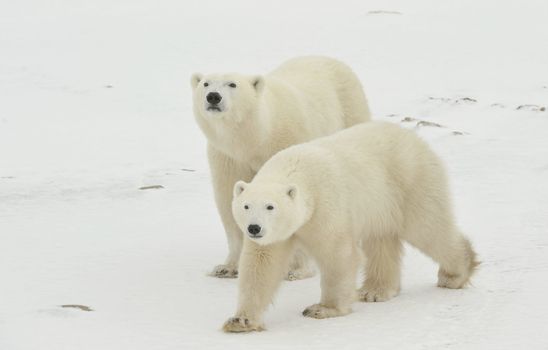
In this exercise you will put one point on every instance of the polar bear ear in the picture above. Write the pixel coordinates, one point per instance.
(291, 191)
(258, 83)
(195, 79)
(239, 187)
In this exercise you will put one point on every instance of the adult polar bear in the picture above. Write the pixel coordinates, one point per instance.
(373, 186)
(247, 119)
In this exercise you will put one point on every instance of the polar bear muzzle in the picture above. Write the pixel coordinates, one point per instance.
(214, 98)
(254, 231)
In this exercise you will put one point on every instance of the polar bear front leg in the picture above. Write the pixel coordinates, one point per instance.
(225, 171)
(262, 268)
(338, 282)
(382, 269)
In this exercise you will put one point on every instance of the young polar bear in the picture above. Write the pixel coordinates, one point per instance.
(368, 187)
(247, 119)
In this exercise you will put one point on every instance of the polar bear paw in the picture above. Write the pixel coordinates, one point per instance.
(452, 281)
(241, 325)
(321, 311)
(377, 294)
(224, 271)
(299, 274)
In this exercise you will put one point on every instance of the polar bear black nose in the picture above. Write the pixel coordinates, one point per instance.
(214, 98)
(254, 229)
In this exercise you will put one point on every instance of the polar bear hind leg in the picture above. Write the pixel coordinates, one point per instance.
(468, 264)
(448, 247)
(430, 227)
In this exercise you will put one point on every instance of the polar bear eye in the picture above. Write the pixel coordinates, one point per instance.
(232, 85)
(206, 84)
(246, 207)
(270, 207)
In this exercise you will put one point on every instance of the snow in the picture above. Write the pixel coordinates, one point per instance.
(95, 103)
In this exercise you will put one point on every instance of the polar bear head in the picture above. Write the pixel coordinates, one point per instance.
(269, 212)
(225, 96)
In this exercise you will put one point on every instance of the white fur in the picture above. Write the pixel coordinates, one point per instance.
(303, 99)
(368, 187)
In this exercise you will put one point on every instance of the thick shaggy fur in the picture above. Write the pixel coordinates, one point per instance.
(369, 187)
(303, 99)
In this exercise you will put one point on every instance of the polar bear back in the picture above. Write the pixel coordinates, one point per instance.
(328, 87)
(367, 177)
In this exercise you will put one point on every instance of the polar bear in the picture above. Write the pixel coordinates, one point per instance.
(368, 187)
(247, 119)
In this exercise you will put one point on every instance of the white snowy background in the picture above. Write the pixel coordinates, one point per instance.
(95, 103)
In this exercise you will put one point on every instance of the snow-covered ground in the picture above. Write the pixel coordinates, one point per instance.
(95, 103)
